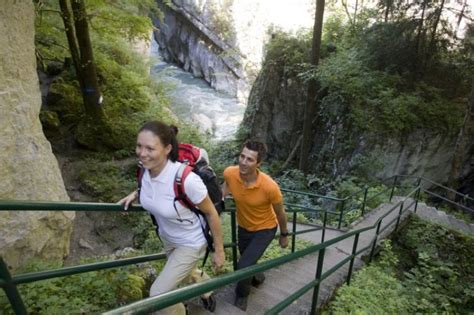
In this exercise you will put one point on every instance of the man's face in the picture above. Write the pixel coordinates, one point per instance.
(248, 162)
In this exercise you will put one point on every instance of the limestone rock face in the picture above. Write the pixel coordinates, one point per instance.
(223, 42)
(29, 170)
(186, 41)
(275, 114)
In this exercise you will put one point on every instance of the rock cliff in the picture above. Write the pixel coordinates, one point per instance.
(274, 114)
(223, 42)
(29, 170)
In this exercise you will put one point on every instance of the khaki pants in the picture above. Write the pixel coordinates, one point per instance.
(180, 268)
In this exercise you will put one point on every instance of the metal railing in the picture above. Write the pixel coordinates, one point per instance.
(9, 283)
(162, 301)
(355, 205)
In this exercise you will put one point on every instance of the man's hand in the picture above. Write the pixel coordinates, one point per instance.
(283, 241)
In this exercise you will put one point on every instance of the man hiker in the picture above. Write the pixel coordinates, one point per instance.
(259, 212)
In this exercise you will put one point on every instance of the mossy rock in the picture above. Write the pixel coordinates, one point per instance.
(50, 122)
(96, 136)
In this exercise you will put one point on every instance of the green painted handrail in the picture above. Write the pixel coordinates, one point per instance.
(310, 194)
(161, 301)
(67, 271)
(176, 296)
(449, 201)
(16, 205)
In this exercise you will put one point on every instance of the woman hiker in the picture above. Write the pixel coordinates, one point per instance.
(180, 229)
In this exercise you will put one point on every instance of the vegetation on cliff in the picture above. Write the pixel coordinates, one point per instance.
(425, 269)
(130, 97)
(370, 72)
(381, 78)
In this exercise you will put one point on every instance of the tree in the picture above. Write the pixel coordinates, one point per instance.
(80, 46)
(313, 86)
(71, 38)
(462, 141)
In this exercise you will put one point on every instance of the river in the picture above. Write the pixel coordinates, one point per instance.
(193, 100)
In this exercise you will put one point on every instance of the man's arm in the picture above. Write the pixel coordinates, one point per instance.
(282, 223)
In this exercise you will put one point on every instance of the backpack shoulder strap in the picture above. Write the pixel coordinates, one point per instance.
(180, 195)
(139, 177)
(178, 186)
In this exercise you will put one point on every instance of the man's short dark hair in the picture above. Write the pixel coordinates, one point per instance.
(258, 146)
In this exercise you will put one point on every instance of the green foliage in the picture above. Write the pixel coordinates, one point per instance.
(130, 96)
(375, 81)
(428, 270)
(438, 267)
(391, 47)
(379, 103)
(105, 180)
(373, 290)
(354, 189)
(289, 54)
(84, 293)
(220, 19)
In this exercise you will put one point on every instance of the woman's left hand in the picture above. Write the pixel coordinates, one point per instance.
(218, 260)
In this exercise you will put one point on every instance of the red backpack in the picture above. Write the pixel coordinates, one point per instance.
(188, 154)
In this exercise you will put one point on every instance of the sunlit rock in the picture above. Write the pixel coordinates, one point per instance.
(29, 170)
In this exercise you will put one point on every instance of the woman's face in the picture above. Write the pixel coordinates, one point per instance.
(151, 152)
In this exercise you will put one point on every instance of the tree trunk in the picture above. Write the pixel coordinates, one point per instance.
(388, 9)
(90, 90)
(311, 99)
(355, 11)
(460, 148)
(291, 156)
(461, 15)
(439, 11)
(420, 40)
(344, 5)
(71, 39)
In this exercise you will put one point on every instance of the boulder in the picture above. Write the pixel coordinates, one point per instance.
(29, 169)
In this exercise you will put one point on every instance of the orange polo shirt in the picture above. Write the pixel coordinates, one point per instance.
(254, 204)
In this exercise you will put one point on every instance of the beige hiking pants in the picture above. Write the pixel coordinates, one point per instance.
(180, 268)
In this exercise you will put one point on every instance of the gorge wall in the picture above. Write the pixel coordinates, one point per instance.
(230, 61)
(275, 115)
(223, 42)
(29, 169)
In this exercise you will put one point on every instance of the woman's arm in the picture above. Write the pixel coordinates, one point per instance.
(207, 207)
(129, 199)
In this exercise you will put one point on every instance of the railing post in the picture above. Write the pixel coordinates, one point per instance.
(418, 183)
(417, 195)
(234, 239)
(11, 290)
(351, 264)
(372, 251)
(393, 188)
(325, 220)
(341, 213)
(399, 216)
(319, 271)
(293, 236)
(365, 199)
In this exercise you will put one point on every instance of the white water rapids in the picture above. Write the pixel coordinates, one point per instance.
(193, 100)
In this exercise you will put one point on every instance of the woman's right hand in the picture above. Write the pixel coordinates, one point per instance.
(128, 200)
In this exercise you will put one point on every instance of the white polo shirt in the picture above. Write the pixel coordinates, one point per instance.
(179, 226)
